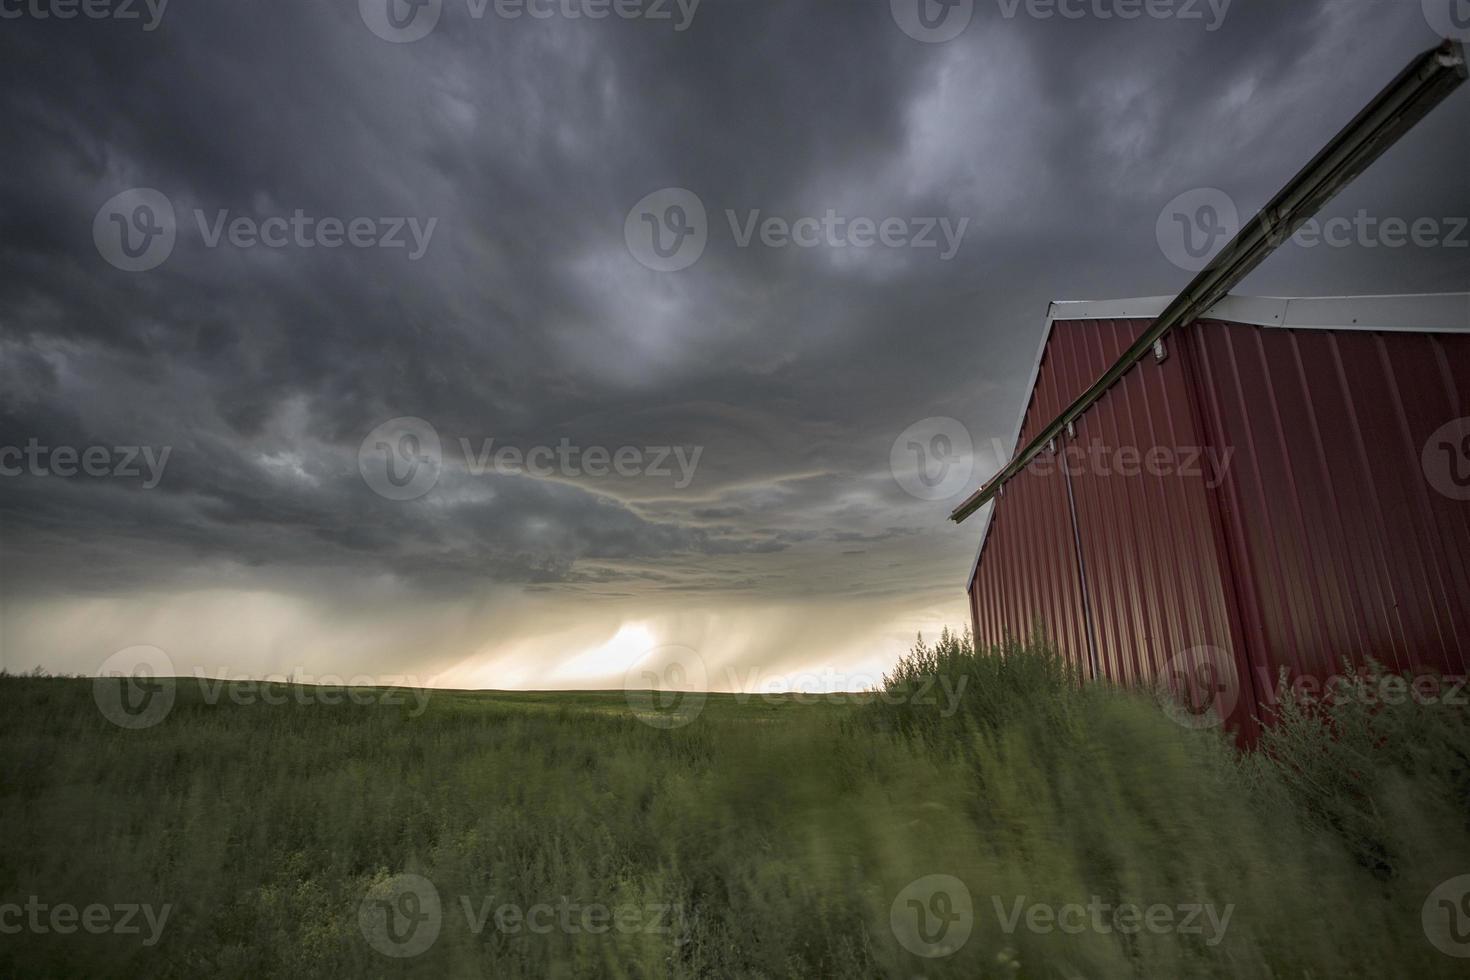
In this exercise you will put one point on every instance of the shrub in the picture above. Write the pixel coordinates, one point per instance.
(1388, 775)
(949, 691)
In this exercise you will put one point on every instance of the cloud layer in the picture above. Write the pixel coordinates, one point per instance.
(529, 321)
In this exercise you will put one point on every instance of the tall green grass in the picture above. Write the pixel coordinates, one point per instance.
(1327, 836)
(995, 688)
(1371, 762)
(780, 830)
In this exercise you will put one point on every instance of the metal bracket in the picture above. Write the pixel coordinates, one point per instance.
(1160, 351)
(1071, 430)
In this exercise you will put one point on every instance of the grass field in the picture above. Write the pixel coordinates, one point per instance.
(557, 835)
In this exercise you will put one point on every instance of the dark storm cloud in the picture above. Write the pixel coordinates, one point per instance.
(527, 319)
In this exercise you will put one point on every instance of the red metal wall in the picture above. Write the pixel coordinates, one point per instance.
(1320, 539)
(1027, 573)
(1152, 540)
(1340, 545)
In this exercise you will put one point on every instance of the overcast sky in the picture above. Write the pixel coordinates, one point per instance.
(503, 284)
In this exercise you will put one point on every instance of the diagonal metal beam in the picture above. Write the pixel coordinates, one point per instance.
(1426, 82)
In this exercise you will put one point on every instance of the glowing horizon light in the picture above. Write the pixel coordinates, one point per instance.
(612, 659)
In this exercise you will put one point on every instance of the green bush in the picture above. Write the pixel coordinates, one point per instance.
(946, 692)
(1374, 761)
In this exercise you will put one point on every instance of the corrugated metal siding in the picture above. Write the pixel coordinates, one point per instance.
(1151, 541)
(1028, 574)
(1340, 545)
(1149, 546)
(1321, 540)
(1028, 569)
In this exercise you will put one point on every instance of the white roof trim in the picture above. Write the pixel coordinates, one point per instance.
(1420, 313)
(1415, 313)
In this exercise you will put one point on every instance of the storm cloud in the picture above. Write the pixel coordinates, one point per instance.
(293, 143)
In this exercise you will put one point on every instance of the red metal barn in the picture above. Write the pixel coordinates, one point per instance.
(1282, 485)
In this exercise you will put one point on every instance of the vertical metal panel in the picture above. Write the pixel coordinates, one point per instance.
(1146, 517)
(1342, 547)
(1027, 573)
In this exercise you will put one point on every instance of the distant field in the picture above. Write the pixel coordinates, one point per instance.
(557, 835)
